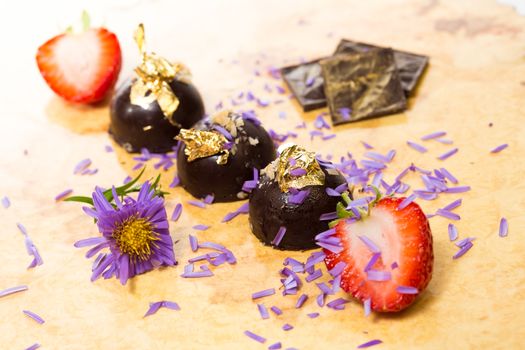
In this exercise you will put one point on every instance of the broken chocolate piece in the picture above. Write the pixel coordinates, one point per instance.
(410, 66)
(362, 85)
(306, 82)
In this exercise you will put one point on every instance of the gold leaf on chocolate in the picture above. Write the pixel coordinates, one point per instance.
(202, 144)
(154, 74)
(303, 160)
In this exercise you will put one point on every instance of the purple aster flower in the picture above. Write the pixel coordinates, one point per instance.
(136, 232)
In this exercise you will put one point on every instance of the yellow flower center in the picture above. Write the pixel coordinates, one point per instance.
(134, 236)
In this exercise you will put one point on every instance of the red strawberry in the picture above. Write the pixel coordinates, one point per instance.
(403, 238)
(81, 67)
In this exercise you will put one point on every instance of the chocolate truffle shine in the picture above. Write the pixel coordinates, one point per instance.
(270, 209)
(135, 127)
(253, 148)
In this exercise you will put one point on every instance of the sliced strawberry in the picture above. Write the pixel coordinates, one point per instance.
(82, 67)
(404, 240)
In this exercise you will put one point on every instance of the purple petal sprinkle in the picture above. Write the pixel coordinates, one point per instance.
(300, 302)
(279, 236)
(175, 182)
(194, 244)
(171, 305)
(371, 245)
(22, 228)
(63, 194)
(448, 214)
(287, 327)
(320, 299)
(299, 197)
(320, 123)
(177, 211)
(108, 148)
(332, 193)
(370, 343)
(367, 146)
(6, 203)
(376, 156)
(466, 247)
(367, 307)
(406, 201)
(263, 293)
(89, 242)
(197, 203)
(33, 347)
(263, 311)
(452, 232)
(331, 247)
(448, 154)
(453, 205)
(499, 148)
(337, 269)
(275, 346)
(197, 274)
(298, 172)
(370, 164)
(394, 265)
(407, 290)
(417, 147)
(372, 261)
(433, 135)
(255, 337)
(82, 165)
(328, 137)
(223, 131)
(377, 275)
(328, 216)
(448, 175)
(12, 290)
(34, 316)
(334, 304)
(276, 310)
(464, 241)
(503, 228)
(209, 199)
(313, 314)
(201, 227)
(457, 189)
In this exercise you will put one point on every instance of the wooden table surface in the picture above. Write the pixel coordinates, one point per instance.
(476, 79)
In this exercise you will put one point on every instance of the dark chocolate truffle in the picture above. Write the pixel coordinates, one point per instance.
(135, 127)
(297, 209)
(208, 166)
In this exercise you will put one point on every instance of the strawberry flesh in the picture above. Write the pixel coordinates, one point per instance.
(405, 243)
(83, 67)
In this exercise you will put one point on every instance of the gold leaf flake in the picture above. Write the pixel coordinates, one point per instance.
(303, 160)
(202, 144)
(154, 74)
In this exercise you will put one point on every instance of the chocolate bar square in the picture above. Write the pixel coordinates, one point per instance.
(362, 85)
(409, 65)
(306, 82)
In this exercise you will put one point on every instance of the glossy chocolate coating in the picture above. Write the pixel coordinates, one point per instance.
(128, 121)
(269, 210)
(306, 82)
(204, 176)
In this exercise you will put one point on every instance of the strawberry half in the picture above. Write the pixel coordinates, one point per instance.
(401, 241)
(81, 67)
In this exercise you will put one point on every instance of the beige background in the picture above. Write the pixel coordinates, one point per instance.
(477, 76)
